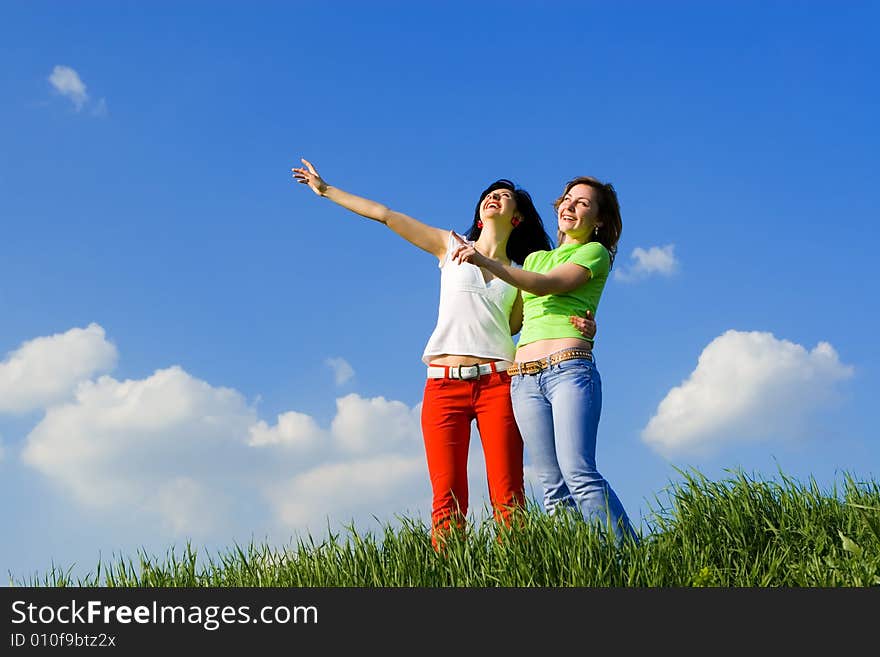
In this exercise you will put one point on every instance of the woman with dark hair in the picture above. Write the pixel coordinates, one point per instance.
(555, 386)
(471, 348)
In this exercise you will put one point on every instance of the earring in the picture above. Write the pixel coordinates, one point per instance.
(479, 223)
(596, 231)
(516, 221)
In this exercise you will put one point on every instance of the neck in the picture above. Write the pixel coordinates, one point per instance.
(492, 244)
(568, 239)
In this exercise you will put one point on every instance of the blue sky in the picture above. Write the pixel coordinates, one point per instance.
(194, 347)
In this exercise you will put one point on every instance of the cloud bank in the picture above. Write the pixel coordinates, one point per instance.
(373, 464)
(46, 370)
(142, 445)
(188, 458)
(182, 458)
(747, 386)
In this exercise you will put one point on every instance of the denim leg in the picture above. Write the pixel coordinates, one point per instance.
(534, 416)
(574, 389)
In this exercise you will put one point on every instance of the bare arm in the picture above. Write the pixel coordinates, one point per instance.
(516, 314)
(431, 239)
(562, 278)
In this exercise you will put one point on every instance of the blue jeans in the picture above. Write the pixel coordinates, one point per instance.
(557, 411)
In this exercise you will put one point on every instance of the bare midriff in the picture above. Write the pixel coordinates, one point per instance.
(543, 348)
(455, 359)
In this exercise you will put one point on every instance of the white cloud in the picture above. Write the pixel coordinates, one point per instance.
(46, 370)
(67, 82)
(174, 451)
(373, 465)
(351, 491)
(654, 260)
(367, 425)
(747, 386)
(180, 457)
(342, 371)
(149, 445)
(185, 506)
(361, 425)
(292, 429)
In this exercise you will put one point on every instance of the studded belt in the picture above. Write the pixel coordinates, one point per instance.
(535, 366)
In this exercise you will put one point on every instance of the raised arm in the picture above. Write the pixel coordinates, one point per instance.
(431, 239)
(562, 278)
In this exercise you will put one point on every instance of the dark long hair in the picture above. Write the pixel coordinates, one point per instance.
(529, 235)
(609, 213)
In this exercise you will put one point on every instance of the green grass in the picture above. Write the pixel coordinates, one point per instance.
(741, 531)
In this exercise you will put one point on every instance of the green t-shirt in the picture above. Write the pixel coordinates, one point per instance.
(547, 317)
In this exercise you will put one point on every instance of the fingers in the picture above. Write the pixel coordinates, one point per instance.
(306, 172)
(304, 177)
(458, 254)
(585, 325)
(462, 253)
(581, 325)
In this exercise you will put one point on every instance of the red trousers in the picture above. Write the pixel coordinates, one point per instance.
(448, 407)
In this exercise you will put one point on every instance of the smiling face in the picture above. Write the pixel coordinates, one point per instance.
(499, 204)
(578, 213)
(510, 214)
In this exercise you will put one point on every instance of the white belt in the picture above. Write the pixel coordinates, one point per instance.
(466, 372)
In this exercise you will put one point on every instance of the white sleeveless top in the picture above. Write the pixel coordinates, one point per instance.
(474, 316)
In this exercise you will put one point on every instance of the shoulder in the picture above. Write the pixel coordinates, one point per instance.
(533, 257)
(592, 255)
(594, 250)
(450, 247)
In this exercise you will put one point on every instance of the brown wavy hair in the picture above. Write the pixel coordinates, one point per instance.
(609, 213)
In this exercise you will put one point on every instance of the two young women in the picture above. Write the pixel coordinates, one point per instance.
(471, 349)
(556, 389)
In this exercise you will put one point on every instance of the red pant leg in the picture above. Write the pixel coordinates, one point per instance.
(447, 413)
(502, 445)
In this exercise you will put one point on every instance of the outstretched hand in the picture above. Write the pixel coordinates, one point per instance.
(467, 252)
(308, 176)
(585, 325)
